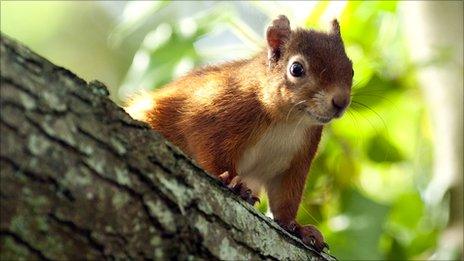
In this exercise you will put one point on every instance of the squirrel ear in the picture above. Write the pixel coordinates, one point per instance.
(276, 35)
(335, 27)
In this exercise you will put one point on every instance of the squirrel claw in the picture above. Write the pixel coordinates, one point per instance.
(309, 234)
(290, 227)
(242, 190)
(245, 193)
(252, 200)
(238, 187)
(326, 246)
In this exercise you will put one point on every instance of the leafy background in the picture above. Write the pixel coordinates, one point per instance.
(366, 186)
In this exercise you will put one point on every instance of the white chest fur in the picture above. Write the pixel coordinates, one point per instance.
(272, 153)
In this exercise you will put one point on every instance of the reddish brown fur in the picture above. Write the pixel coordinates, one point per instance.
(214, 114)
(214, 135)
(284, 202)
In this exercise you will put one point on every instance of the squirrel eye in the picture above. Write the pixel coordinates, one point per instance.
(296, 69)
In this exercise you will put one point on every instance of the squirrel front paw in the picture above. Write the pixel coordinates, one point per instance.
(238, 187)
(309, 234)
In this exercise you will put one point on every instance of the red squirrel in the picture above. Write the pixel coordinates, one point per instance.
(257, 123)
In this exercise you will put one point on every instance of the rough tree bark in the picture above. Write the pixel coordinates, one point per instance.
(81, 179)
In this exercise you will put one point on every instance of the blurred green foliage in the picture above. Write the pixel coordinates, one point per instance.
(368, 167)
(73, 34)
(365, 187)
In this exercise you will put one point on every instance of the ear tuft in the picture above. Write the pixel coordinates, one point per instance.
(335, 27)
(276, 35)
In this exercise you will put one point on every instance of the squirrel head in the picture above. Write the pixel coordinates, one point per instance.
(313, 72)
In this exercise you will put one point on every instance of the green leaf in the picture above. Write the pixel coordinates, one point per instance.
(377, 90)
(407, 210)
(380, 149)
(361, 238)
(396, 251)
(422, 242)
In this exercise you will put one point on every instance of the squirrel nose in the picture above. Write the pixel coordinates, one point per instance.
(340, 102)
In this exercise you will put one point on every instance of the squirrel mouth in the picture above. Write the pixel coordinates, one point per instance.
(320, 119)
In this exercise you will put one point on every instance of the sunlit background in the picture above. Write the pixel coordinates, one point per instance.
(387, 181)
